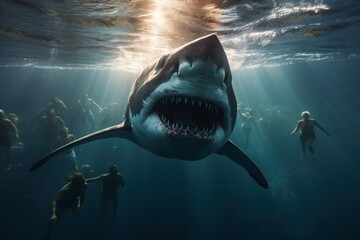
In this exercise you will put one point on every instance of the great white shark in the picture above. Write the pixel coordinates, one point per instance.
(182, 106)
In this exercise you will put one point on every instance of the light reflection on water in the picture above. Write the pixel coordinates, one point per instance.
(130, 34)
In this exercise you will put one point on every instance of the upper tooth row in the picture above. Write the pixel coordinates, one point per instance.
(178, 100)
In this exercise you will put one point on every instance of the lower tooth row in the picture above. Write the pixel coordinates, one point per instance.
(188, 130)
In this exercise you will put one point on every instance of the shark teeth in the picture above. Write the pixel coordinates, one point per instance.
(177, 129)
(183, 116)
(195, 102)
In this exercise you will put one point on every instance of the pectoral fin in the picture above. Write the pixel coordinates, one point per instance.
(231, 151)
(116, 131)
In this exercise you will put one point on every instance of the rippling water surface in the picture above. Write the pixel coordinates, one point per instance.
(129, 34)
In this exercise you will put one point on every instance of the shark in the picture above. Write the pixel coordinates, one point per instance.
(182, 106)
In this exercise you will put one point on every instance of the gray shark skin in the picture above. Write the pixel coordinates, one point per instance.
(182, 106)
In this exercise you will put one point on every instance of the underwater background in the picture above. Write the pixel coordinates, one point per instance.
(286, 57)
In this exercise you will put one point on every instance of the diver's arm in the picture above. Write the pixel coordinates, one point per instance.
(122, 182)
(53, 210)
(63, 105)
(98, 178)
(81, 106)
(37, 124)
(41, 110)
(321, 128)
(14, 129)
(296, 128)
(95, 104)
(62, 122)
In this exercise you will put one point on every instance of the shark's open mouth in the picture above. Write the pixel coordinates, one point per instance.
(189, 117)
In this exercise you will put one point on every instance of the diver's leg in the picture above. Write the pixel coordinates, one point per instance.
(310, 147)
(115, 205)
(91, 119)
(7, 157)
(75, 209)
(303, 147)
(50, 227)
(303, 141)
(103, 207)
(59, 213)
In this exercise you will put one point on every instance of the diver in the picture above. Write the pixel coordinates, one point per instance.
(68, 156)
(110, 185)
(56, 104)
(71, 196)
(248, 121)
(85, 104)
(110, 114)
(307, 134)
(6, 127)
(51, 125)
(18, 148)
(13, 118)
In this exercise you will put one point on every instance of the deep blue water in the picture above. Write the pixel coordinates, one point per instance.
(207, 199)
(286, 56)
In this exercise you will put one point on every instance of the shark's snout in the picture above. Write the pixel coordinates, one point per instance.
(202, 74)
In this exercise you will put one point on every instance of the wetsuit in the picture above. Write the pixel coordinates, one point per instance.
(5, 139)
(307, 131)
(110, 186)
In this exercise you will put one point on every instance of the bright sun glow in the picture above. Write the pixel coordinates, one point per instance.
(152, 41)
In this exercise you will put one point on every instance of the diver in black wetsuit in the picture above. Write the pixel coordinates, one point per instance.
(307, 134)
(111, 182)
(248, 121)
(7, 127)
(71, 196)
